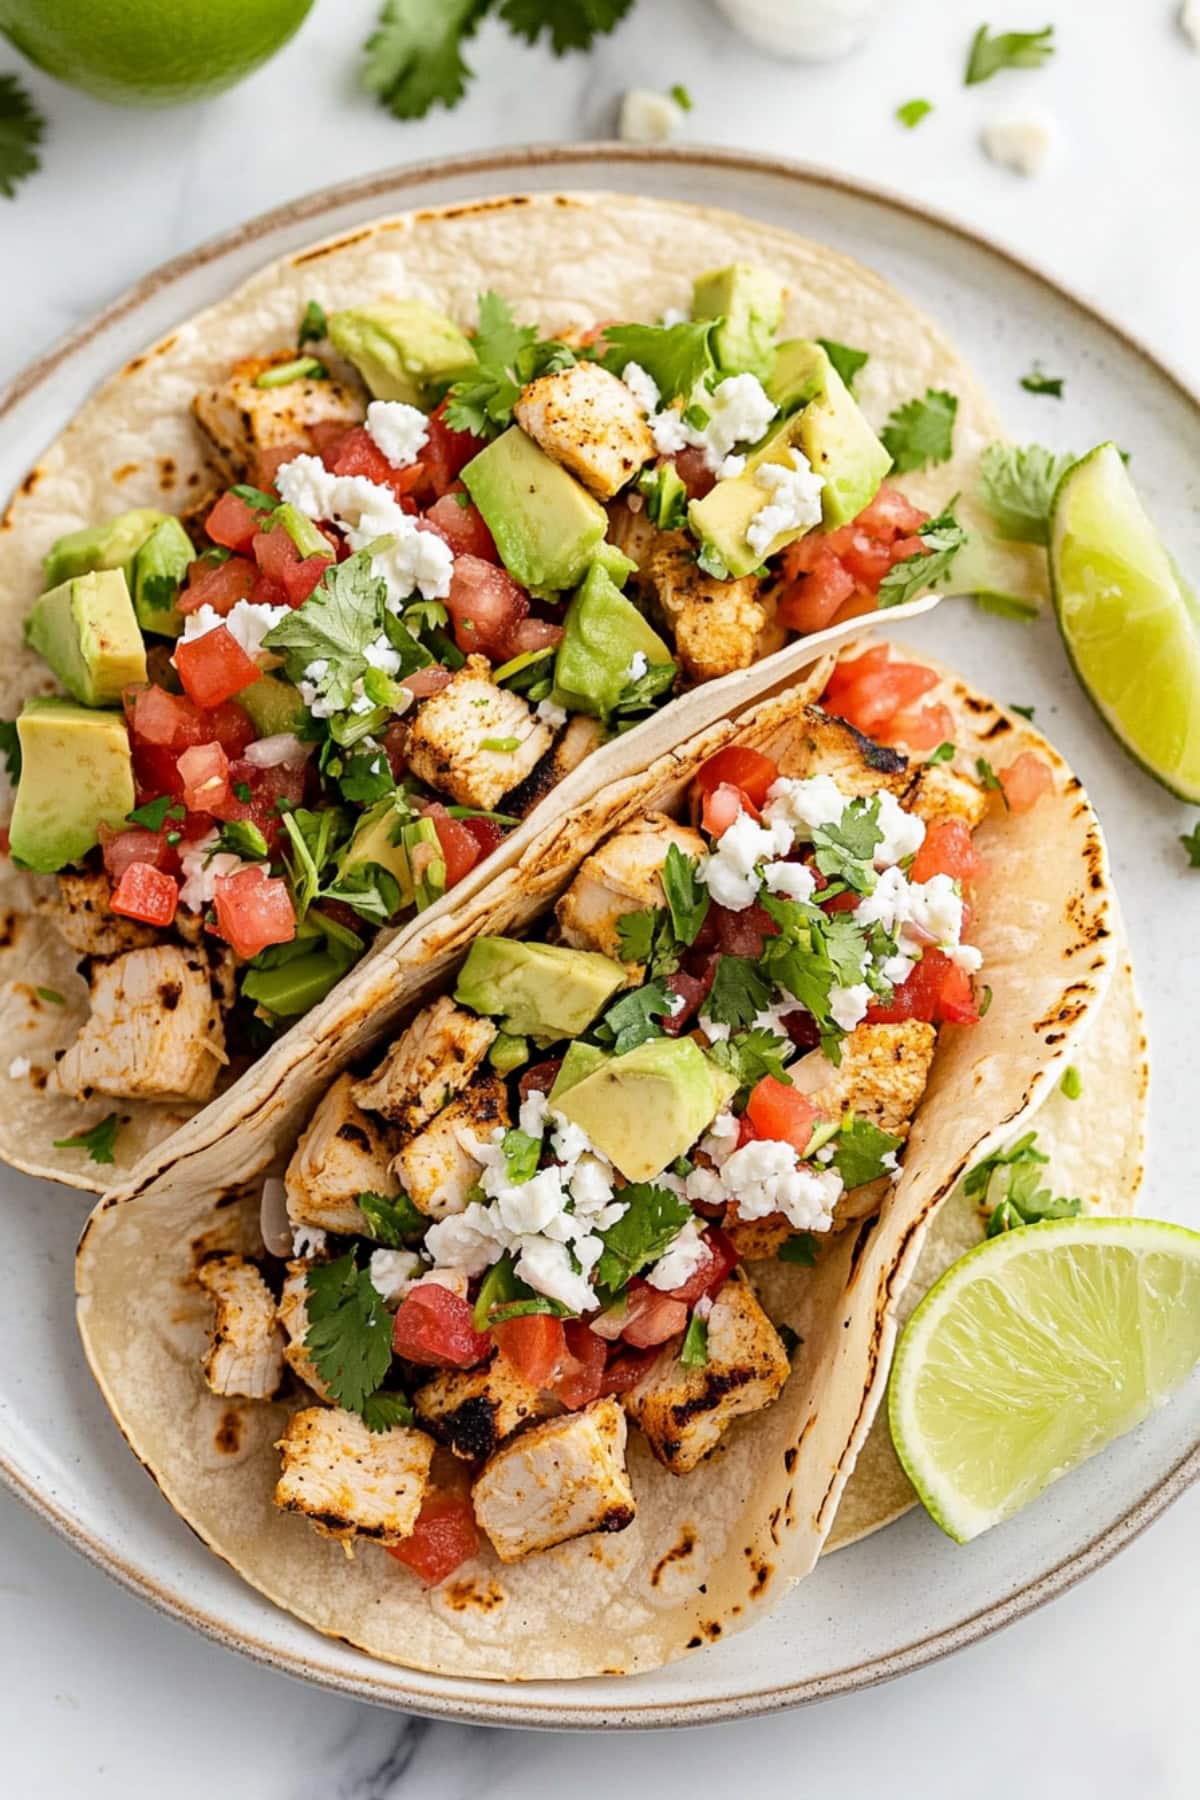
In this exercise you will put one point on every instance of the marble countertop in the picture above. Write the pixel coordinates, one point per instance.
(1091, 1699)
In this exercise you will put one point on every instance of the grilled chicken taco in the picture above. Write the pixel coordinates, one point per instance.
(568, 1313)
(328, 600)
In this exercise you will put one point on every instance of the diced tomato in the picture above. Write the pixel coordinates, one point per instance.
(540, 1078)
(282, 564)
(145, 893)
(395, 748)
(778, 1110)
(532, 634)
(857, 606)
(534, 1346)
(486, 832)
(919, 728)
(229, 725)
(651, 1317)
(708, 1277)
(269, 790)
(890, 515)
(722, 807)
(204, 771)
(134, 845)
(430, 680)
(486, 605)
(1025, 781)
(446, 452)
(810, 603)
(742, 933)
(357, 453)
(456, 518)
(694, 472)
(444, 1537)
(835, 575)
(937, 991)
(266, 592)
(625, 1369)
(869, 697)
(947, 850)
(691, 989)
(435, 1328)
(219, 585)
(460, 849)
(866, 559)
(157, 717)
(271, 461)
(253, 909)
(232, 523)
(581, 1371)
(740, 767)
(214, 667)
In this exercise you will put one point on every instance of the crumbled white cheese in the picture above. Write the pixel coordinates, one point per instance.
(729, 872)
(848, 1005)
(410, 560)
(766, 1176)
(731, 468)
(739, 411)
(1021, 145)
(684, 1256)
(805, 803)
(393, 1273)
(903, 832)
(795, 503)
(791, 879)
(246, 621)
(308, 1240)
(639, 662)
(674, 315)
(18, 1068)
(400, 431)
(380, 655)
(648, 118)
(550, 713)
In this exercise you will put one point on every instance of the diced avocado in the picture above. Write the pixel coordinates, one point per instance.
(546, 526)
(294, 987)
(603, 632)
(274, 705)
(749, 302)
(508, 1053)
(833, 432)
(303, 533)
(108, 546)
(403, 349)
(159, 569)
(616, 565)
(76, 775)
(581, 1059)
(87, 631)
(542, 991)
(377, 839)
(723, 517)
(645, 1108)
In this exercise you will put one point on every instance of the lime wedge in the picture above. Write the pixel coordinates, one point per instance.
(1130, 624)
(1034, 1351)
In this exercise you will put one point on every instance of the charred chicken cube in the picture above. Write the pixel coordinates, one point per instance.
(589, 422)
(938, 791)
(622, 876)
(826, 745)
(245, 1354)
(719, 626)
(474, 740)
(154, 1033)
(293, 1316)
(684, 1411)
(472, 1411)
(558, 1480)
(79, 910)
(343, 1153)
(433, 1059)
(243, 419)
(435, 1168)
(350, 1482)
(882, 1074)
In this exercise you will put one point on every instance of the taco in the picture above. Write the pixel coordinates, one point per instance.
(568, 1314)
(349, 584)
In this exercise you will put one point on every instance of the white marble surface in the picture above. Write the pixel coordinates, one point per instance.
(1094, 1698)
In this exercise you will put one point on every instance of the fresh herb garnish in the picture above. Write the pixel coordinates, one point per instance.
(1071, 1083)
(51, 995)
(943, 538)
(10, 749)
(368, 889)
(1191, 843)
(801, 1248)
(712, 562)
(693, 1352)
(508, 356)
(846, 361)
(985, 1001)
(676, 357)
(1006, 1187)
(643, 694)
(845, 848)
(921, 431)
(256, 498)
(382, 1410)
(687, 896)
(749, 1055)
(1007, 50)
(503, 746)
(1026, 712)
(1016, 484)
(569, 24)
(21, 129)
(860, 1149)
(99, 1142)
(943, 754)
(647, 937)
(989, 778)
(1036, 382)
(665, 495)
(1006, 606)
(341, 616)
(680, 96)
(633, 1019)
(739, 992)
(522, 1153)
(349, 1335)
(154, 814)
(414, 54)
(652, 1219)
(314, 326)
(392, 1220)
(812, 953)
(912, 112)
(529, 1306)
(241, 837)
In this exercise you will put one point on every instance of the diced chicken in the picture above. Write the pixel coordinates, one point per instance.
(754, 1239)
(938, 791)
(825, 745)
(632, 530)
(684, 1411)
(448, 741)
(558, 1480)
(351, 1482)
(622, 876)
(434, 1168)
(154, 1032)
(80, 912)
(293, 1316)
(581, 736)
(882, 1074)
(245, 1354)
(718, 626)
(243, 420)
(589, 422)
(433, 1059)
(342, 1154)
(474, 1410)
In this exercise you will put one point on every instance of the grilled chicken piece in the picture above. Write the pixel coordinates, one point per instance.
(822, 744)
(754, 1239)
(245, 1355)
(718, 626)
(633, 531)
(580, 737)
(293, 1316)
(556, 1481)
(939, 791)
(343, 1153)
(433, 1059)
(446, 739)
(434, 1169)
(244, 420)
(154, 1033)
(882, 1074)
(684, 1411)
(474, 1410)
(80, 912)
(621, 877)
(589, 422)
(351, 1482)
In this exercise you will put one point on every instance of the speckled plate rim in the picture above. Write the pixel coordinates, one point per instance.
(505, 1706)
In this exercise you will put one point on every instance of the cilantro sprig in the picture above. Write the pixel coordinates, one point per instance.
(1038, 382)
(1016, 485)
(749, 1055)
(392, 1220)
(1007, 1186)
(862, 1152)
(508, 356)
(99, 1142)
(912, 112)
(921, 431)
(349, 1335)
(1006, 50)
(676, 357)
(652, 1219)
(943, 538)
(1191, 843)
(21, 129)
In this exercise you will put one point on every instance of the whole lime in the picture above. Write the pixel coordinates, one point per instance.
(150, 52)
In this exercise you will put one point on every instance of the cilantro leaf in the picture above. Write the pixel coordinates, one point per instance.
(693, 1352)
(392, 1220)
(382, 1410)
(1006, 1187)
(349, 1335)
(1026, 712)
(681, 96)
(636, 932)
(368, 889)
(508, 356)
(738, 993)
(314, 326)
(687, 896)
(676, 357)
(749, 1055)
(1191, 843)
(334, 625)
(813, 953)
(859, 1150)
(921, 431)
(364, 776)
(570, 24)
(10, 749)
(652, 1219)
(243, 838)
(943, 754)
(98, 1142)
(644, 693)
(1038, 383)
(414, 55)
(846, 361)
(712, 562)
(51, 995)
(314, 838)
(632, 1018)
(912, 112)
(846, 849)
(522, 1153)
(943, 538)
(1007, 50)
(1071, 1083)
(21, 128)
(989, 779)
(800, 1248)
(1016, 484)
(498, 338)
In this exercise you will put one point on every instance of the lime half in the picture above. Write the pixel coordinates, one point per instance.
(1036, 1350)
(1130, 624)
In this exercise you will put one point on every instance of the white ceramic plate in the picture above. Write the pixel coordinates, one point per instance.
(907, 1595)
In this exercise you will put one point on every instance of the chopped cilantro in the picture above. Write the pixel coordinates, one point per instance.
(51, 995)
(1191, 843)
(155, 813)
(652, 1219)
(749, 1055)
(504, 746)
(1037, 382)
(1016, 484)
(569, 24)
(1006, 606)
(341, 616)
(693, 1352)
(912, 112)
(859, 1151)
(989, 778)
(314, 326)
(643, 694)
(10, 749)
(681, 96)
(738, 993)
(1007, 50)
(943, 538)
(99, 1142)
(364, 776)
(812, 953)
(508, 356)
(687, 896)
(1006, 1187)
(632, 1020)
(845, 849)
(414, 55)
(985, 1001)
(1026, 712)
(646, 937)
(368, 889)
(349, 1335)
(676, 357)
(240, 837)
(801, 1248)
(382, 1410)
(391, 1219)
(1071, 1083)
(21, 129)
(256, 499)
(846, 361)
(943, 754)
(665, 496)
(712, 563)
(921, 431)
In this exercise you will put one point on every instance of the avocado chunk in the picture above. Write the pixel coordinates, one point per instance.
(159, 570)
(833, 431)
(546, 526)
(508, 1053)
(581, 1059)
(604, 631)
(274, 706)
(108, 546)
(403, 349)
(542, 991)
(377, 839)
(616, 565)
(724, 516)
(645, 1108)
(748, 300)
(87, 631)
(76, 775)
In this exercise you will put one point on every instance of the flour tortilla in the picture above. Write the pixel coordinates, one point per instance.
(708, 1551)
(564, 260)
